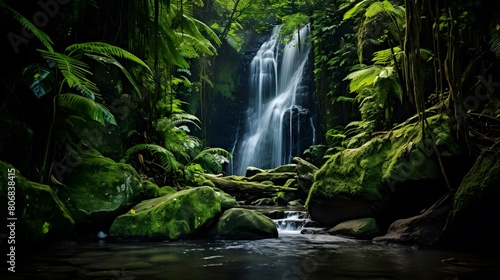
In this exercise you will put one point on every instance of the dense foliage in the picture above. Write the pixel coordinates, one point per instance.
(82, 74)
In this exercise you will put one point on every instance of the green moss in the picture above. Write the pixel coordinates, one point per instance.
(41, 216)
(479, 185)
(240, 223)
(151, 190)
(364, 173)
(99, 188)
(166, 190)
(173, 216)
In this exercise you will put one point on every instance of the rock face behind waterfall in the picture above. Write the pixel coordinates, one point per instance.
(390, 177)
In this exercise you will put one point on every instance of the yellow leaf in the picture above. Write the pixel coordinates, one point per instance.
(132, 211)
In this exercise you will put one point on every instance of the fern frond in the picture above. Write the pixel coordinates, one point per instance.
(106, 49)
(74, 71)
(213, 158)
(166, 157)
(87, 107)
(39, 34)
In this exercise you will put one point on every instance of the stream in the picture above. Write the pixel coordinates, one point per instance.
(290, 256)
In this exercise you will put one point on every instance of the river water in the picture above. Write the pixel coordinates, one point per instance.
(290, 256)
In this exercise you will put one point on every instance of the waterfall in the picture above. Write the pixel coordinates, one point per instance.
(278, 118)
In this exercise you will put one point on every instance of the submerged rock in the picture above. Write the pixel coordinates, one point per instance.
(40, 216)
(170, 217)
(240, 223)
(365, 228)
(99, 189)
(389, 177)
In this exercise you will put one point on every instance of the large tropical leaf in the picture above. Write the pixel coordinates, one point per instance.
(362, 78)
(39, 78)
(106, 49)
(379, 7)
(86, 107)
(111, 60)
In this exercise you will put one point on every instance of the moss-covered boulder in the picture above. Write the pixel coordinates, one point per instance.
(390, 177)
(365, 228)
(179, 215)
(475, 208)
(238, 223)
(98, 190)
(40, 216)
(151, 190)
(423, 230)
(226, 200)
(305, 174)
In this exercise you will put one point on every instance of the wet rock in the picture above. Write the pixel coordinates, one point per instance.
(265, 201)
(99, 189)
(390, 177)
(475, 205)
(278, 179)
(226, 200)
(245, 224)
(171, 217)
(284, 168)
(275, 214)
(305, 174)
(365, 228)
(41, 217)
(251, 171)
(423, 230)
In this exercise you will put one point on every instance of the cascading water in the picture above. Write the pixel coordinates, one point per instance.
(278, 119)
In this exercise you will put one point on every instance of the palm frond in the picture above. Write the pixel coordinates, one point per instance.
(39, 34)
(86, 107)
(106, 49)
(74, 71)
(111, 60)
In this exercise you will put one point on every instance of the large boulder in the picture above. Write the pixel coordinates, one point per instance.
(179, 215)
(98, 189)
(475, 207)
(423, 230)
(40, 216)
(390, 177)
(238, 223)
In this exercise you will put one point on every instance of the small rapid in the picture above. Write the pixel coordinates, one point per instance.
(296, 222)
